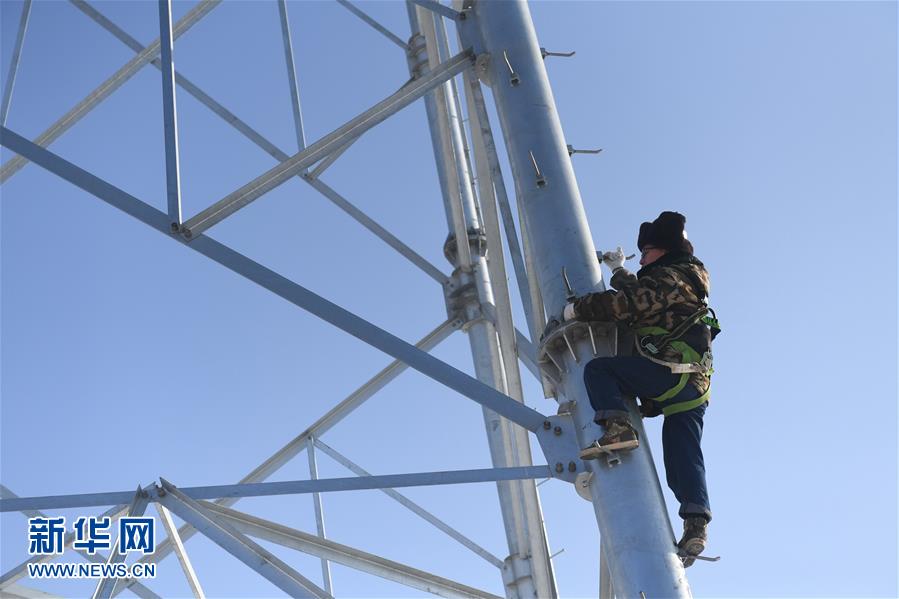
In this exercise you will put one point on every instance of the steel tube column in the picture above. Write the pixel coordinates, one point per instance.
(628, 503)
(527, 570)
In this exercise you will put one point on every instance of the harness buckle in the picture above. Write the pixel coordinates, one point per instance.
(649, 346)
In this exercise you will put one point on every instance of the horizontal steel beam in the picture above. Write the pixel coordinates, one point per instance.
(343, 554)
(320, 149)
(296, 294)
(292, 487)
(225, 536)
(107, 87)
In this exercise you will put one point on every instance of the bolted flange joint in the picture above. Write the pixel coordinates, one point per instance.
(477, 241)
(557, 345)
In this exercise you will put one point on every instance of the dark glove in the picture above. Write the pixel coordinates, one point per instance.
(650, 409)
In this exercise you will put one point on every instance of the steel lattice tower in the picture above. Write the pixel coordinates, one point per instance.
(498, 50)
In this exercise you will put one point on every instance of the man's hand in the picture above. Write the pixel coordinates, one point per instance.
(568, 313)
(614, 260)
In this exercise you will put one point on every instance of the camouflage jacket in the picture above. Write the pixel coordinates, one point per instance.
(661, 294)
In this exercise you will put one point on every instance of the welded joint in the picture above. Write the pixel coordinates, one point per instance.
(559, 342)
(560, 447)
(515, 571)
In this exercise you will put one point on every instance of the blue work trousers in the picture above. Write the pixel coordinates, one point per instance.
(609, 380)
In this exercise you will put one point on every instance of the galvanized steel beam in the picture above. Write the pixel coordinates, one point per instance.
(183, 559)
(106, 88)
(382, 233)
(293, 487)
(343, 554)
(320, 149)
(319, 513)
(370, 21)
(277, 153)
(411, 505)
(10, 577)
(170, 112)
(137, 508)
(440, 9)
(283, 287)
(323, 424)
(14, 62)
(225, 536)
(292, 77)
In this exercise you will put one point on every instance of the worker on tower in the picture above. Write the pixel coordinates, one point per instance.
(665, 306)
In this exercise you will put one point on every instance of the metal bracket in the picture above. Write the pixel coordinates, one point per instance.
(562, 339)
(544, 53)
(572, 150)
(463, 301)
(514, 79)
(559, 444)
(541, 180)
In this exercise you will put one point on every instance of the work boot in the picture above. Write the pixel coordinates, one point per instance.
(694, 539)
(619, 434)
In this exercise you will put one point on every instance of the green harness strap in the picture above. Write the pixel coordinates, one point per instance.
(688, 356)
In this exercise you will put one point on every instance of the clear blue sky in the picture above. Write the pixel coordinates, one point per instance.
(125, 357)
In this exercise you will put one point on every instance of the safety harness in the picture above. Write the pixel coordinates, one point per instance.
(650, 341)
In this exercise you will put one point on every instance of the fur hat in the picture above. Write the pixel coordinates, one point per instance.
(666, 233)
